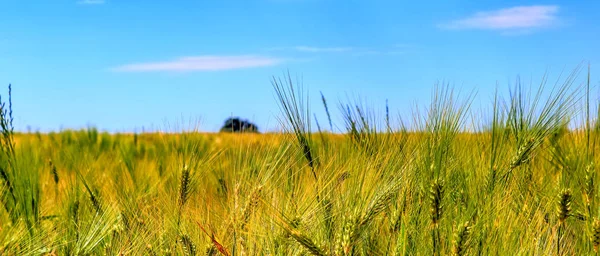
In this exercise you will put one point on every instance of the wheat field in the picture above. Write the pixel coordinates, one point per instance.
(515, 179)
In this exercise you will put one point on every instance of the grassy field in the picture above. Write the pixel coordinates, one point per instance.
(511, 181)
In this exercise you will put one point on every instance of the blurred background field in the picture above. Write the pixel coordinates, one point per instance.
(522, 181)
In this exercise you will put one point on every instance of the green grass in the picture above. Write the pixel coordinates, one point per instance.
(517, 182)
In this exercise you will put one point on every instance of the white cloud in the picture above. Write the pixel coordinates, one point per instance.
(91, 2)
(202, 63)
(519, 17)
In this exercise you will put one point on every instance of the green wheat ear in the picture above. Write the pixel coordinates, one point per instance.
(184, 187)
(435, 195)
(596, 235)
(189, 248)
(460, 239)
(563, 209)
(307, 243)
(54, 171)
(590, 184)
(250, 207)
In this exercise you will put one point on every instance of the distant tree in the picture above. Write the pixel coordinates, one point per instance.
(235, 124)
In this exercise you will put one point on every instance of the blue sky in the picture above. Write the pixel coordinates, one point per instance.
(123, 65)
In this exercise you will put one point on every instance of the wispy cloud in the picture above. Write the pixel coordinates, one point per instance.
(514, 18)
(202, 63)
(91, 1)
